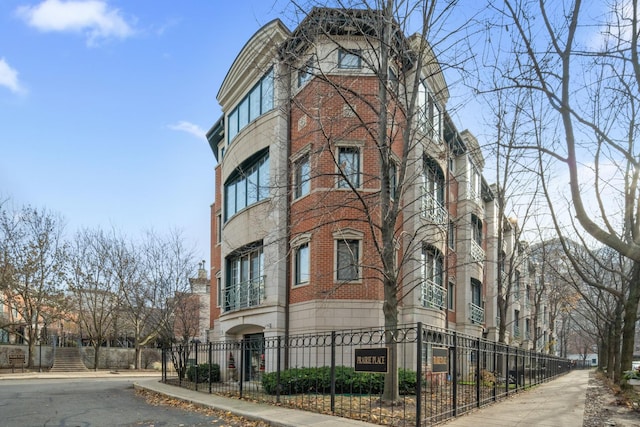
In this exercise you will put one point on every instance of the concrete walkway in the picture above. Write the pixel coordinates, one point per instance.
(558, 403)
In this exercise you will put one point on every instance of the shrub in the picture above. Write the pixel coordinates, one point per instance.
(203, 373)
(488, 378)
(149, 357)
(318, 380)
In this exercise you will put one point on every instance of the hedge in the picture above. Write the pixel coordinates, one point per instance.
(203, 373)
(348, 381)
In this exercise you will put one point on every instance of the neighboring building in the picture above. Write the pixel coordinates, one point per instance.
(198, 306)
(288, 151)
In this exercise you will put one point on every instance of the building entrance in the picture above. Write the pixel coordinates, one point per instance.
(253, 356)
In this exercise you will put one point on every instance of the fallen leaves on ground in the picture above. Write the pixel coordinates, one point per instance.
(157, 399)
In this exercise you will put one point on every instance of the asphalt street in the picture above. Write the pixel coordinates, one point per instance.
(85, 402)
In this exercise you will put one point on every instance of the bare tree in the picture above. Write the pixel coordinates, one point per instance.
(93, 285)
(516, 194)
(589, 77)
(152, 280)
(33, 261)
(396, 110)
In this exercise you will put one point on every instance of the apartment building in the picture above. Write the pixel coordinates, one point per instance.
(299, 198)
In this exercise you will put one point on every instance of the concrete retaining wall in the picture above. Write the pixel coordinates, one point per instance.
(108, 357)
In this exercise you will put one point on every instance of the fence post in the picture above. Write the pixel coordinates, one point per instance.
(241, 373)
(210, 360)
(419, 377)
(478, 372)
(164, 364)
(524, 368)
(506, 371)
(495, 370)
(454, 377)
(278, 356)
(195, 361)
(517, 379)
(333, 372)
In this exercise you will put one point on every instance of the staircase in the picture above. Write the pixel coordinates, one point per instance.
(67, 359)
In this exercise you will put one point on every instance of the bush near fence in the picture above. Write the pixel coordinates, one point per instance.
(441, 374)
(204, 373)
(348, 381)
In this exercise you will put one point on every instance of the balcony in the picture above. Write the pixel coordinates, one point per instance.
(432, 209)
(433, 295)
(244, 295)
(516, 331)
(504, 277)
(477, 253)
(476, 313)
(473, 194)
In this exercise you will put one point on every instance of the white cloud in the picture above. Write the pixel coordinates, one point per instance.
(190, 128)
(9, 77)
(615, 27)
(93, 18)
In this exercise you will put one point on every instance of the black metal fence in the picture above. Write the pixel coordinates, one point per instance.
(440, 373)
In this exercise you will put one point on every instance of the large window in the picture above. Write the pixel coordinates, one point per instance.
(258, 102)
(432, 293)
(516, 287)
(474, 182)
(302, 177)
(476, 309)
(476, 292)
(349, 59)
(429, 116)
(476, 228)
(302, 264)
(247, 185)
(348, 260)
(432, 265)
(433, 191)
(245, 281)
(349, 164)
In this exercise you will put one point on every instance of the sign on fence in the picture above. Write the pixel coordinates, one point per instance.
(440, 359)
(372, 359)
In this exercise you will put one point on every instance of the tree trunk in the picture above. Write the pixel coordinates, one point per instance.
(614, 343)
(630, 318)
(390, 310)
(96, 349)
(502, 327)
(138, 361)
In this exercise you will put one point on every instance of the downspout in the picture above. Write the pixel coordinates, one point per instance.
(447, 237)
(288, 224)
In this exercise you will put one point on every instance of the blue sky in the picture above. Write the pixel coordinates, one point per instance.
(104, 106)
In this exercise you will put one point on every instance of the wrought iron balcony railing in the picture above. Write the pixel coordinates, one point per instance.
(433, 295)
(516, 331)
(476, 313)
(432, 209)
(477, 253)
(244, 294)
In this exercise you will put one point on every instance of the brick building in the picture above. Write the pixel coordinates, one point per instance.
(299, 198)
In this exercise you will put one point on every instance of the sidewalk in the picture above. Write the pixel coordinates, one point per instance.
(274, 415)
(558, 403)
